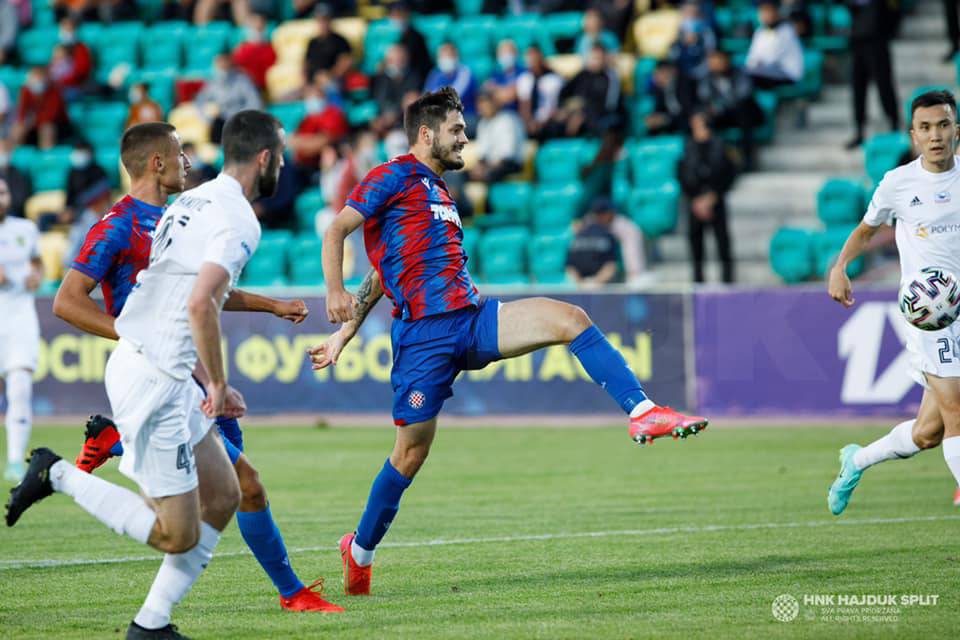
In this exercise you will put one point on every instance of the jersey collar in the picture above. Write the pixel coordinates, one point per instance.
(230, 182)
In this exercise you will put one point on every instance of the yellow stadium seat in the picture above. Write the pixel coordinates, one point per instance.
(283, 79)
(625, 63)
(353, 30)
(53, 246)
(45, 202)
(477, 192)
(190, 123)
(566, 64)
(656, 31)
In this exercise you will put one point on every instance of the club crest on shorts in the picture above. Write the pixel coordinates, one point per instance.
(416, 399)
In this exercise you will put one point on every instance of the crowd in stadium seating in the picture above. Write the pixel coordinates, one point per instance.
(564, 106)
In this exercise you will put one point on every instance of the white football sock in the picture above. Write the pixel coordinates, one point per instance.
(120, 509)
(951, 453)
(896, 444)
(19, 414)
(176, 575)
(363, 557)
(642, 408)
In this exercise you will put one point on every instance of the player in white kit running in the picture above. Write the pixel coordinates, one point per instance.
(923, 197)
(170, 319)
(20, 275)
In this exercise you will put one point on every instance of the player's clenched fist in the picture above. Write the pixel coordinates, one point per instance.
(293, 310)
(212, 405)
(340, 306)
(839, 287)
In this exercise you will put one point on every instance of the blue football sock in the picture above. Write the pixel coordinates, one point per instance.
(608, 368)
(117, 449)
(263, 537)
(230, 430)
(382, 506)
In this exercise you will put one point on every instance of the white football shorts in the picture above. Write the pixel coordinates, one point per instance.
(934, 352)
(19, 342)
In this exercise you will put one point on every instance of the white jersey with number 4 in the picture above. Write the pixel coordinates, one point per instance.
(926, 206)
(211, 223)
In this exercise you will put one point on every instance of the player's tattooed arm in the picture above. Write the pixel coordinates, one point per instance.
(367, 296)
(293, 310)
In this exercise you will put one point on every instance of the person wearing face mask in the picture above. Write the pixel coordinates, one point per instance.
(324, 124)
(19, 182)
(255, 54)
(80, 63)
(503, 82)
(694, 41)
(414, 42)
(775, 57)
(449, 72)
(395, 80)
(594, 33)
(328, 51)
(142, 106)
(85, 181)
(229, 92)
(41, 117)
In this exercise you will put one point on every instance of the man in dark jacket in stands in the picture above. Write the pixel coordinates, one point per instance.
(875, 23)
(706, 173)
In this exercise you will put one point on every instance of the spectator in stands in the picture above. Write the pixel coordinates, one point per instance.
(799, 16)
(411, 38)
(499, 142)
(41, 112)
(594, 33)
(20, 184)
(255, 55)
(671, 101)
(592, 101)
(9, 27)
(694, 41)
(142, 107)
(238, 11)
(725, 92)
(706, 173)
(325, 124)
(450, 72)
(93, 209)
(229, 91)
(617, 15)
(874, 25)
(775, 56)
(328, 51)
(395, 81)
(85, 181)
(538, 94)
(503, 81)
(592, 259)
(71, 64)
(200, 171)
(952, 18)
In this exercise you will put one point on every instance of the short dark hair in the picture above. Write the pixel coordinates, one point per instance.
(141, 141)
(430, 110)
(247, 133)
(932, 99)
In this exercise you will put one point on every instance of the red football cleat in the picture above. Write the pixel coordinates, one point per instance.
(101, 434)
(664, 421)
(356, 579)
(308, 599)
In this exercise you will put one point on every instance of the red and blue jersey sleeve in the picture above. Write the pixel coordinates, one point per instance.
(376, 190)
(104, 241)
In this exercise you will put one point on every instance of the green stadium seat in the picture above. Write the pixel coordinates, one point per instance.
(791, 254)
(468, 7)
(125, 33)
(435, 29)
(266, 268)
(109, 159)
(826, 247)
(651, 165)
(305, 259)
(361, 113)
(812, 81)
(102, 123)
(35, 46)
(640, 107)
(655, 209)
(642, 71)
(560, 161)
(525, 30)
(12, 78)
(767, 100)
(836, 29)
(547, 257)
(471, 239)
(113, 53)
(206, 43)
(503, 255)
(90, 33)
(307, 205)
(509, 203)
(476, 36)
(160, 47)
(555, 207)
(882, 152)
(49, 168)
(275, 240)
(380, 35)
(563, 27)
(290, 114)
(482, 68)
(840, 201)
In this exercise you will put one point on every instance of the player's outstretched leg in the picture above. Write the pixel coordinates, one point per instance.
(19, 422)
(101, 441)
(534, 323)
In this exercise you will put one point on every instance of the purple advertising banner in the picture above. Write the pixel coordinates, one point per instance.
(796, 351)
(267, 363)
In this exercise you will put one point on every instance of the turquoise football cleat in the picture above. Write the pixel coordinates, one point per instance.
(847, 480)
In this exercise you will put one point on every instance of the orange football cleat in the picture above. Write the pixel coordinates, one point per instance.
(356, 579)
(664, 421)
(309, 599)
(101, 434)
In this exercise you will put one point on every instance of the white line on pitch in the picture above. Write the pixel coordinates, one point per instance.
(6, 565)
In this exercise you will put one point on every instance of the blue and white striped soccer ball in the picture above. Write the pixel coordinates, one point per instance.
(930, 299)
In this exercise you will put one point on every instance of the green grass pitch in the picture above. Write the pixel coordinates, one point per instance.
(533, 533)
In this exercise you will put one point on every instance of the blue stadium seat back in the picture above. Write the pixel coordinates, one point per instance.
(560, 161)
(511, 198)
(35, 46)
(767, 101)
(305, 245)
(525, 30)
(471, 240)
(290, 114)
(307, 272)
(664, 146)
(475, 35)
(108, 157)
(840, 201)
(265, 268)
(90, 33)
(50, 167)
(127, 33)
(280, 238)
(380, 35)
(113, 53)
(468, 7)
(361, 113)
(655, 210)
(503, 254)
(103, 123)
(482, 68)
(547, 257)
(826, 247)
(791, 254)
(307, 205)
(882, 152)
(23, 156)
(812, 81)
(435, 29)
(640, 107)
(642, 72)
(554, 207)
(161, 50)
(12, 78)
(200, 57)
(44, 15)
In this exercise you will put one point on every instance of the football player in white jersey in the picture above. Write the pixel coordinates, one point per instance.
(171, 319)
(923, 197)
(20, 275)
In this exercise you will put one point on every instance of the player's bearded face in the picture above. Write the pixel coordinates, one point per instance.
(447, 152)
(270, 176)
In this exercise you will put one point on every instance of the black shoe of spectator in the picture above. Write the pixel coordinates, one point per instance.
(950, 56)
(854, 143)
